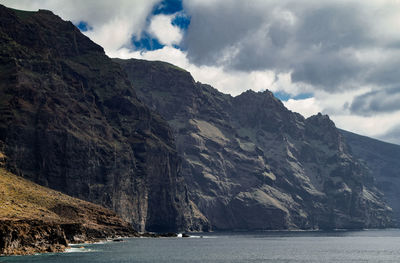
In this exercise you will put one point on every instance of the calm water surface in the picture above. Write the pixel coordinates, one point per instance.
(360, 246)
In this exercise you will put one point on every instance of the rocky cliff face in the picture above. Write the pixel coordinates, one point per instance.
(70, 120)
(383, 160)
(252, 164)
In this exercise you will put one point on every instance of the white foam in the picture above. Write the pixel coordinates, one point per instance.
(203, 237)
(74, 250)
(79, 249)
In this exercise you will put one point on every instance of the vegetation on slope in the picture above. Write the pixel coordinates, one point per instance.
(23, 199)
(35, 219)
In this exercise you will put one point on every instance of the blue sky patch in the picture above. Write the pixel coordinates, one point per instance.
(303, 96)
(283, 96)
(83, 26)
(168, 7)
(181, 20)
(146, 42)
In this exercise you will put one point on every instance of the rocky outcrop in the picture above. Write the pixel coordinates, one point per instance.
(383, 160)
(70, 120)
(250, 163)
(35, 219)
(29, 237)
(26, 237)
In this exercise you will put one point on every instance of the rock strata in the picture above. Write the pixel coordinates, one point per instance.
(250, 163)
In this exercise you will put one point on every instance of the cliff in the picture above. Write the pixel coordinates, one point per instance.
(250, 163)
(73, 120)
(35, 219)
(383, 160)
(70, 120)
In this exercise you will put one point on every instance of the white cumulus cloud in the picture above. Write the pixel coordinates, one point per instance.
(162, 28)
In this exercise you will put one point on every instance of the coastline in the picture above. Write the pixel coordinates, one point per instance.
(35, 219)
(28, 237)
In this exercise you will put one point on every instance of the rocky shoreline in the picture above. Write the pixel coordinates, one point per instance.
(26, 237)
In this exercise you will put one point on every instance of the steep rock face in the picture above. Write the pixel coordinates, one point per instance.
(70, 120)
(252, 164)
(383, 160)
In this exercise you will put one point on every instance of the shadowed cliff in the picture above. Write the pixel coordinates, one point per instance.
(383, 160)
(70, 120)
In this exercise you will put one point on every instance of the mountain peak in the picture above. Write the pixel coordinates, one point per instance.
(44, 33)
(45, 11)
(321, 120)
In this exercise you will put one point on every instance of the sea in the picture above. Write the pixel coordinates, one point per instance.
(300, 246)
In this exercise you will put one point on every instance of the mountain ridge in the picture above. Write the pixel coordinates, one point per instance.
(73, 120)
(250, 163)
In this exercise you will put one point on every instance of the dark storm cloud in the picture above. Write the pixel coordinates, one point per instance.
(327, 71)
(386, 100)
(332, 27)
(315, 40)
(387, 73)
(214, 28)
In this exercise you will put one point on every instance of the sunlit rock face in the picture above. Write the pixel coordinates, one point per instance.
(250, 163)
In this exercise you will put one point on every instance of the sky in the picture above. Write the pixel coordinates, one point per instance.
(337, 57)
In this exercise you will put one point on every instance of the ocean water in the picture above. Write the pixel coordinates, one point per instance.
(340, 246)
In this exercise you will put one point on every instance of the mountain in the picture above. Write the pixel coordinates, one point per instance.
(73, 120)
(36, 219)
(250, 163)
(383, 160)
(70, 120)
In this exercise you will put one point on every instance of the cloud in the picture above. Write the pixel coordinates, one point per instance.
(377, 101)
(215, 27)
(112, 23)
(161, 28)
(307, 107)
(317, 41)
(393, 135)
(383, 126)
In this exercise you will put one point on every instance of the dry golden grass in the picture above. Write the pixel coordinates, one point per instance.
(23, 199)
